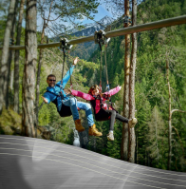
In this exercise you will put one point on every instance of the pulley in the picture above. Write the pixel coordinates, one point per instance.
(65, 44)
(100, 38)
(127, 19)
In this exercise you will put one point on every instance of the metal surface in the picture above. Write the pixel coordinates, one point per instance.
(139, 28)
(28, 163)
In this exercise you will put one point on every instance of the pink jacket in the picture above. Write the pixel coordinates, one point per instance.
(90, 97)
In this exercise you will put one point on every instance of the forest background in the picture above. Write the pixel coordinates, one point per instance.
(151, 88)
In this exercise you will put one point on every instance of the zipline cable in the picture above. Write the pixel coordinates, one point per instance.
(65, 46)
(100, 83)
(101, 39)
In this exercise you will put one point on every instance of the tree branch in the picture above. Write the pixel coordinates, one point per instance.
(177, 110)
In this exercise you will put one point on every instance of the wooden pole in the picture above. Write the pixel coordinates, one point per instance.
(135, 29)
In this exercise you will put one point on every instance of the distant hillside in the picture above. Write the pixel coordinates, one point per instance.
(85, 50)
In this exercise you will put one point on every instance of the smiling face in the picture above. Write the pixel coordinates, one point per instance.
(95, 91)
(51, 80)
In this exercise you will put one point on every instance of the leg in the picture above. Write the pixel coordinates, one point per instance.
(121, 118)
(71, 102)
(112, 118)
(87, 108)
(131, 122)
(92, 127)
(113, 113)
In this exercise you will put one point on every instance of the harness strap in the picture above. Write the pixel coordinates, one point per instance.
(71, 87)
(64, 46)
(59, 95)
(101, 72)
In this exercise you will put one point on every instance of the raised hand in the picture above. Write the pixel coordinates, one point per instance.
(68, 91)
(75, 61)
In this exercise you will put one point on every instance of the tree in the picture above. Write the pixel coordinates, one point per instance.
(4, 5)
(170, 154)
(156, 137)
(39, 66)
(124, 145)
(28, 116)
(11, 56)
(131, 151)
(5, 53)
(16, 59)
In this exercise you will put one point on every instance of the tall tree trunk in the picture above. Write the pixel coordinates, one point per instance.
(16, 60)
(132, 142)
(11, 79)
(124, 145)
(170, 154)
(170, 127)
(11, 56)
(39, 67)
(137, 156)
(28, 116)
(5, 53)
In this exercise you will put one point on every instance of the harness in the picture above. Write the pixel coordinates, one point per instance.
(65, 110)
(101, 39)
(98, 97)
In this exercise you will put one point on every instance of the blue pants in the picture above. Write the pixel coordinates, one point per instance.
(73, 104)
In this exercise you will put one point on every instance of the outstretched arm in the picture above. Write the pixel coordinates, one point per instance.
(113, 91)
(47, 97)
(82, 95)
(69, 73)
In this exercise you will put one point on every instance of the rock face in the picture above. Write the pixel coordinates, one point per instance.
(91, 28)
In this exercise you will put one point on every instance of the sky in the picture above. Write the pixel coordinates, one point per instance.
(102, 11)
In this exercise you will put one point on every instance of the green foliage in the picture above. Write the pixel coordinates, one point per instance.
(157, 141)
(10, 122)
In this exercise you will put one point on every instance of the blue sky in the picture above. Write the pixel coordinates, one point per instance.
(102, 11)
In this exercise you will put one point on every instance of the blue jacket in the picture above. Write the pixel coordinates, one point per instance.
(56, 90)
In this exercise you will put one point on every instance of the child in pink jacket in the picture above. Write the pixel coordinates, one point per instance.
(101, 110)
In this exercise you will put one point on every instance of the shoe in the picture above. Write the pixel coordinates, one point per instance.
(110, 136)
(79, 127)
(93, 131)
(132, 122)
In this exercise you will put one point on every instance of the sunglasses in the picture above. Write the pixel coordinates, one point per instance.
(51, 80)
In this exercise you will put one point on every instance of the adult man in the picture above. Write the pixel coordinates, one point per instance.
(56, 94)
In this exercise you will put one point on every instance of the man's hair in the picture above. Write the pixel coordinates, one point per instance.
(51, 75)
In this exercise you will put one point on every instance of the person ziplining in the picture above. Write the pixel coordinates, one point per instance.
(98, 99)
(67, 105)
(101, 110)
